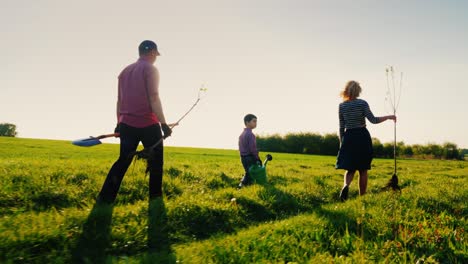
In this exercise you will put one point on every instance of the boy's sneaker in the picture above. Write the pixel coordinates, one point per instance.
(244, 182)
(344, 193)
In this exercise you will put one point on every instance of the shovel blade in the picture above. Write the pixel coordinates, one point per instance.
(86, 142)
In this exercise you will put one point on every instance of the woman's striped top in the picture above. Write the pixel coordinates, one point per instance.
(352, 114)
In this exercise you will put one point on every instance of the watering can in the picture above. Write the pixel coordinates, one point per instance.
(258, 171)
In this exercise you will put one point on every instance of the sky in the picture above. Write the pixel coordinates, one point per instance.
(284, 61)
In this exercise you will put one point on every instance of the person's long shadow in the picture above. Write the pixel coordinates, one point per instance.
(160, 250)
(95, 238)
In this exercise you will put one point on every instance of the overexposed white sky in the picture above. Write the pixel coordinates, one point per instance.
(285, 61)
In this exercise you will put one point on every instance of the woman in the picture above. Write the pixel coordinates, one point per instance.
(355, 152)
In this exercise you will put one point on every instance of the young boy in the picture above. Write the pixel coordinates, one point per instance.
(248, 148)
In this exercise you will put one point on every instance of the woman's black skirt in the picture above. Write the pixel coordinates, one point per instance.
(356, 150)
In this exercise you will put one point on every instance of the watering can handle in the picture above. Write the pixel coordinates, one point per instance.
(268, 158)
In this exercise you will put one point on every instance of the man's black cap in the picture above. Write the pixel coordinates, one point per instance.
(147, 46)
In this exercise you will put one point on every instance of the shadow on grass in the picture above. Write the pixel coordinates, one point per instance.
(95, 238)
(340, 221)
(255, 211)
(342, 232)
(273, 203)
(93, 244)
(283, 204)
(159, 246)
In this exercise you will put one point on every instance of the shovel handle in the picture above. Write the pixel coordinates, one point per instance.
(108, 135)
(172, 125)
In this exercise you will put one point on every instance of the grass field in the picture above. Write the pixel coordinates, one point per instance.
(48, 215)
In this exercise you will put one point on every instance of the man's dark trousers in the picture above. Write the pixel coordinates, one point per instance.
(130, 137)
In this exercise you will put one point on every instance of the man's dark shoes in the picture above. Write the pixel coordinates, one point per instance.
(344, 193)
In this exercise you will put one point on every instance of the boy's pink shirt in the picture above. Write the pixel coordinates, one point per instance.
(248, 143)
(134, 82)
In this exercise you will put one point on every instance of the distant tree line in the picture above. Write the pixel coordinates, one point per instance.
(464, 152)
(304, 143)
(8, 130)
(329, 144)
(447, 150)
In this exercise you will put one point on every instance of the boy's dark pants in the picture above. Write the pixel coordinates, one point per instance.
(247, 161)
(130, 137)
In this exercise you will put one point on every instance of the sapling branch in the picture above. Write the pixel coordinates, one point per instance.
(147, 153)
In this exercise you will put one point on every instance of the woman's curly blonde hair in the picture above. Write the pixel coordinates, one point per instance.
(351, 91)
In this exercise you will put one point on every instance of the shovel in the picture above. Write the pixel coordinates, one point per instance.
(93, 141)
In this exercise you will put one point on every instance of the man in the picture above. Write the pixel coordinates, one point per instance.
(140, 117)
